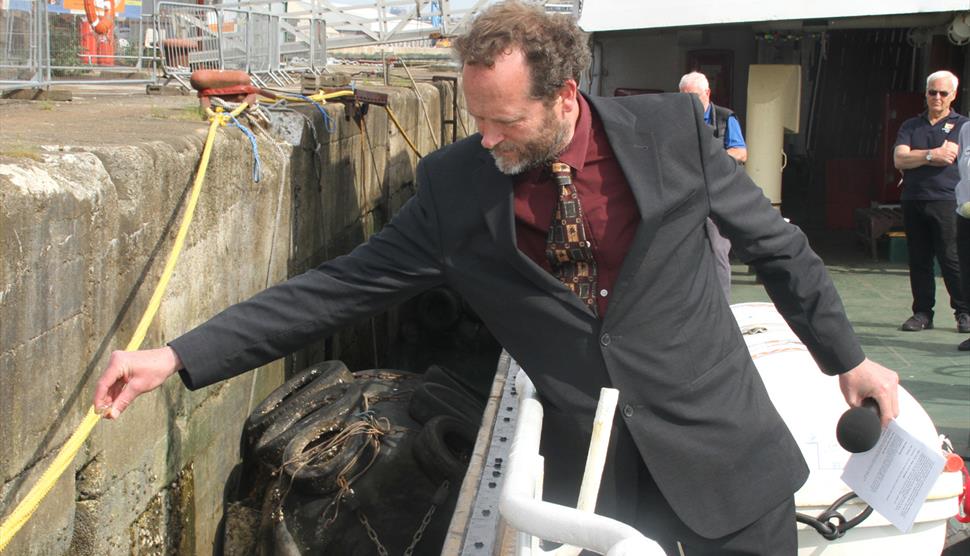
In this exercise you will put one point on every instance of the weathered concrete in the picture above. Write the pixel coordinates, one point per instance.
(84, 232)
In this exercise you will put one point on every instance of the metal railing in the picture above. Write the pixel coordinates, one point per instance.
(267, 46)
(502, 511)
(43, 43)
(521, 503)
(376, 22)
(24, 45)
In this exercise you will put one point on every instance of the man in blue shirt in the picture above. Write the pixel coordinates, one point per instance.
(725, 124)
(926, 152)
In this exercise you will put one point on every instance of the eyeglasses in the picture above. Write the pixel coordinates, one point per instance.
(934, 92)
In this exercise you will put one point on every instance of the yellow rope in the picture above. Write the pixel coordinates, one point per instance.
(319, 96)
(25, 509)
(390, 114)
(322, 97)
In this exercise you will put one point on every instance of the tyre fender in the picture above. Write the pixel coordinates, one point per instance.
(332, 403)
(431, 399)
(305, 468)
(446, 377)
(323, 374)
(444, 447)
(439, 309)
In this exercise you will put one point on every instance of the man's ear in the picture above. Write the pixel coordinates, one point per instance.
(569, 93)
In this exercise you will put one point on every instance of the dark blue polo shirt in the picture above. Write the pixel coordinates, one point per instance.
(927, 182)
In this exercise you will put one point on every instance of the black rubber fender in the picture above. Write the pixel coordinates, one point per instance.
(444, 446)
(387, 384)
(335, 402)
(446, 377)
(478, 385)
(385, 375)
(439, 309)
(322, 375)
(431, 399)
(320, 474)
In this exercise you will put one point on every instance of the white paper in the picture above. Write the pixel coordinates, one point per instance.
(895, 476)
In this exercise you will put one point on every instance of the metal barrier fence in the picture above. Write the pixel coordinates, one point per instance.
(24, 48)
(42, 43)
(267, 46)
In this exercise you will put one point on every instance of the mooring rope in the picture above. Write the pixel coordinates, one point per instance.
(26, 508)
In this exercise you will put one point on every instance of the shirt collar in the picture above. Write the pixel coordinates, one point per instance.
(575, 153)
(709, 113)
(949, 115)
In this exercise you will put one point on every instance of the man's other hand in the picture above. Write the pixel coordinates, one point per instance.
(945, 154)
(130, 374)
(871, 380)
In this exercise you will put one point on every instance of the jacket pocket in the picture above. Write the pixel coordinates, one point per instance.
(733, 358)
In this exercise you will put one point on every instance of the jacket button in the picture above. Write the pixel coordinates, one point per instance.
(605, 339)
(628, 410)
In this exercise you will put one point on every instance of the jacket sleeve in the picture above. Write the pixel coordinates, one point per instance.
(395, 264)
(962, 190)
(793, 275)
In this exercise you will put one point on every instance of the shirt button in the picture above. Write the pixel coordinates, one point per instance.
(604, 293)
(628, 411)
(605, 339)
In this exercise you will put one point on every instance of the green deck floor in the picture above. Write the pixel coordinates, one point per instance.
(877, 299)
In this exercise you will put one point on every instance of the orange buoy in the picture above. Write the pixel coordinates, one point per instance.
(101, 15)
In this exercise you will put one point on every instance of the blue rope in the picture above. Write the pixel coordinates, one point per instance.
(327, 120)
(257, 165)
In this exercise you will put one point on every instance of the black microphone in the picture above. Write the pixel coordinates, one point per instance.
(859, 427)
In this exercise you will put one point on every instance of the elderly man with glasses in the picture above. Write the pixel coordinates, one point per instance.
(926, 152)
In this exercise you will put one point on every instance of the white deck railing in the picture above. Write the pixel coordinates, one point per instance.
(521, 503)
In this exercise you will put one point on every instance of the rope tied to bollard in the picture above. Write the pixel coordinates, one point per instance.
(26, 508)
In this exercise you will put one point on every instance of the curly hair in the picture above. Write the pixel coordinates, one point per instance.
(555, 48)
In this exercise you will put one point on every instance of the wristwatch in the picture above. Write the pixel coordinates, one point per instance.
(929, 156)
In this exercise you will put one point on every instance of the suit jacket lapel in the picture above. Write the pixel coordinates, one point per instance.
(494, 190)
(636, 151)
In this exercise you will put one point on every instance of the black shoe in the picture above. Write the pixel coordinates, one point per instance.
(963, 323)
(964, 345)
(917, 322)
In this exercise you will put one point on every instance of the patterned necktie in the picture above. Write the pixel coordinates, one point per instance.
(567, 248)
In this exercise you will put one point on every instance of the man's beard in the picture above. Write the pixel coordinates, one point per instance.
(539, 151)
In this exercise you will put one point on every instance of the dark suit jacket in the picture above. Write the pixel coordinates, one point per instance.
(690, 396)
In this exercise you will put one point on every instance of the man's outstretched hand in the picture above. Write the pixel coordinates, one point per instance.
(871, 380)
(130, 374)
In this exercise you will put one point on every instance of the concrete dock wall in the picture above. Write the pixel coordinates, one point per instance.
(84, 233)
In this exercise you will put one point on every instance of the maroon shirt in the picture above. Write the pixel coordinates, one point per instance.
(609, 209)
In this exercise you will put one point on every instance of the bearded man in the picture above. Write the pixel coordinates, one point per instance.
(574, 226)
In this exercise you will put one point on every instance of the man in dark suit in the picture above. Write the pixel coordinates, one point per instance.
(699, 456)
